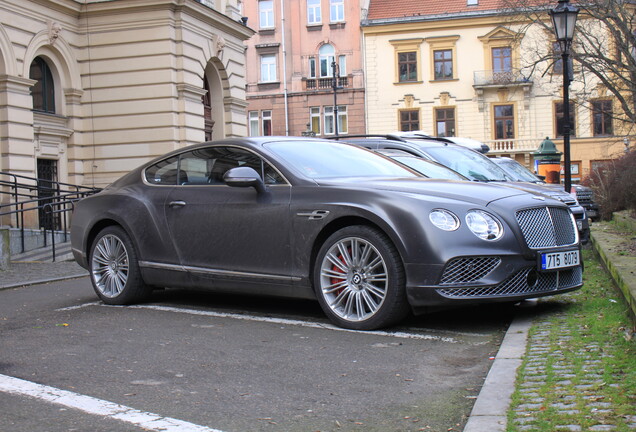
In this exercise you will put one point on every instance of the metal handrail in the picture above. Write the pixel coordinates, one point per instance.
(68, 199)
(32, 186)
(25, 196)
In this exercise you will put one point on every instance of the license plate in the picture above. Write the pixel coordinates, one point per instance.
(559, 260)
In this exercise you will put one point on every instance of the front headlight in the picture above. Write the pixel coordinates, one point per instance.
(444, 219)
(484, 225)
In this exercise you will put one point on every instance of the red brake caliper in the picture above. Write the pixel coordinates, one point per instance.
(337, 269)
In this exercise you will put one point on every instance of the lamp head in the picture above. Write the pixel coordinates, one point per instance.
(564, 20)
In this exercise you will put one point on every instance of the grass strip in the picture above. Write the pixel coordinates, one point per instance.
(579, 372)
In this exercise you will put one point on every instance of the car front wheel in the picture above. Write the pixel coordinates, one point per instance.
(359, 279)
(114, 268)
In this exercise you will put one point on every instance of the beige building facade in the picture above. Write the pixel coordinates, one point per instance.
(458, 70)
(91, 89)
(291, 67)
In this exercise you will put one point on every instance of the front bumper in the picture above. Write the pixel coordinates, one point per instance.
(489, 279)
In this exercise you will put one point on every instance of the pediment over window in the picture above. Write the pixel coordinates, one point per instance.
(499, 33)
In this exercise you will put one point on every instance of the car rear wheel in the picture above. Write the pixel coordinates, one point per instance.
(115, 269)
(359, 279)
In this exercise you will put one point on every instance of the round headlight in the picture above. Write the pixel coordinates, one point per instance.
(444, 220)
(483, 225)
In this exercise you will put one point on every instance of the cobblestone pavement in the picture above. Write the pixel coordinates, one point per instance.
(567, 383)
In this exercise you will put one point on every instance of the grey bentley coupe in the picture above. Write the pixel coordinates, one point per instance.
(368, 238)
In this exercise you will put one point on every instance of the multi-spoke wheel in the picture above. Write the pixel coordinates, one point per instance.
(114, 268)
(359, 279)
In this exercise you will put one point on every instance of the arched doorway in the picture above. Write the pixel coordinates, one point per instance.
(43, 93)
(213, 104)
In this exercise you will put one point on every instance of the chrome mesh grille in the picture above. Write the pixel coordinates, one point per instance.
(468, 270)
(584, 196)
(546, 227)
(518, 285)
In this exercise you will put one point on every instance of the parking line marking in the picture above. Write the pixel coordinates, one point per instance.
(285, 321)
(96, 303)
(145, 420)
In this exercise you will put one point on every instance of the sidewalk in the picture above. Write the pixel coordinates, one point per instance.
(28, 273)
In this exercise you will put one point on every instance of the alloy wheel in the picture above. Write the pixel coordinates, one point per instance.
(109, 265)
(354, 279)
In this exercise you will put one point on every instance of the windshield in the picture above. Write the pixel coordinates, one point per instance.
(517, 171)
(428, 168)
(319, 160)
(471, 164)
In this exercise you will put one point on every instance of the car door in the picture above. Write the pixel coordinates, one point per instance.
(230, 232)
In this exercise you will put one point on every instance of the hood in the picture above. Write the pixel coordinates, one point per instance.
(553, 191)
(471, 192)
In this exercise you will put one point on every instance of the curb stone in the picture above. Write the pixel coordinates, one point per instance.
(490, 411)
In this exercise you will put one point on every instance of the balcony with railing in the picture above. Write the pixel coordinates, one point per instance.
(514, 145)
(489, 78)
(316, 84)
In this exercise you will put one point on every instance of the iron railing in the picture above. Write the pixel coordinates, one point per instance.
(21, 195)
(325, 83)
(500, 78)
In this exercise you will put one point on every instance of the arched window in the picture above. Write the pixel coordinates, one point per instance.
(327, 55)
(207, 111)
(44, 89)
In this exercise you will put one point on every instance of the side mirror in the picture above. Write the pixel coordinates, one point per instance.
(244, 177)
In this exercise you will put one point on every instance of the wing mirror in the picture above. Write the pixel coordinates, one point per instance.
(244, 177)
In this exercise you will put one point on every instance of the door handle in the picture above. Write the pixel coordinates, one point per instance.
(177, 204)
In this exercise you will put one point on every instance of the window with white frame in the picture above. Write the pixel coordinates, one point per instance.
(342, 65)
(253, 120)
(314, 119)
(336, 10)
(268, 68)
(266, 14)
(312, 67)
(343, 121)
(266, 121)
(327, 55)
(314, 15)
(343, 125)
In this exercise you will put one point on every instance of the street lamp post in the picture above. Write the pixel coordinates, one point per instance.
(334, 84)
(564, 21)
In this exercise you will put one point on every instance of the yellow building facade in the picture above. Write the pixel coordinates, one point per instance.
(464, 73)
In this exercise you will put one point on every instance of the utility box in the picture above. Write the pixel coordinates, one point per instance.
(547, 161)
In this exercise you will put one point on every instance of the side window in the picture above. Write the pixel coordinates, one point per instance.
(194, 167)
(225, 158)
(206, 166)
(164, 172)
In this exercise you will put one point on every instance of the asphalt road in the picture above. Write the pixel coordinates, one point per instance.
(208, 362)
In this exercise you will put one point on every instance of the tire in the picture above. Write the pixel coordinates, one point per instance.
(359, 279)
(114, 268)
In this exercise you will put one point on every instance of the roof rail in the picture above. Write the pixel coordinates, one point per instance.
(387, 136)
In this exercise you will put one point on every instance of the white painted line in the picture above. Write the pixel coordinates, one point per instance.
(91, 405)
(283, 321)
(96, 303)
